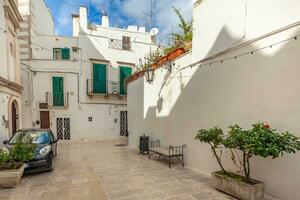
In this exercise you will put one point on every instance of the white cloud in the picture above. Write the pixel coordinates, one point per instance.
(165, 18)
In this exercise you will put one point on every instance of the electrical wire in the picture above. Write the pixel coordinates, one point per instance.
(200, 63)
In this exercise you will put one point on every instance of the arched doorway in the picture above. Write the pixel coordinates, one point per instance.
(14, 116)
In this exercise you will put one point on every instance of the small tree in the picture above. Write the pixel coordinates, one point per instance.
(214, 137)
(262, 141)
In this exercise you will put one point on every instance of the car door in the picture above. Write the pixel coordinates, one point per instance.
(53, 143)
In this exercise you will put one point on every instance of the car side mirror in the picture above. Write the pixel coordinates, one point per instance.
(5, 142)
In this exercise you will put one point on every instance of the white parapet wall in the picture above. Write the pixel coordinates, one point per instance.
(254, 87)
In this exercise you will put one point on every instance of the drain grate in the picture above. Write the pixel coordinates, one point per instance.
(120, 145)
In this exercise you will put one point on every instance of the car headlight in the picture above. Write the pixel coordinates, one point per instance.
(45, 150)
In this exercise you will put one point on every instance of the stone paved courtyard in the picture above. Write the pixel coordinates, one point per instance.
(100, 171)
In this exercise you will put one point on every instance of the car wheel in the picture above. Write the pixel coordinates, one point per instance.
(51, 162)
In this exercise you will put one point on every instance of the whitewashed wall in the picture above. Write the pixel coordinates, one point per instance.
(92, 47)
(4, 131)
(9, 71)
(3, 50)
(259, 87)
(42, 18)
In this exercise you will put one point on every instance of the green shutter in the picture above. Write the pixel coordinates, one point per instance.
(65, 54)
(124, 73)
(58, 91)
(99, 78)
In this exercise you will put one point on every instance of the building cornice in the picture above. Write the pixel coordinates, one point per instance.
(12, 16)
(16, 10)
(11, 85)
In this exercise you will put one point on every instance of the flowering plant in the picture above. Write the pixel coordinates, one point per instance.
(261, 140)
(16, 156)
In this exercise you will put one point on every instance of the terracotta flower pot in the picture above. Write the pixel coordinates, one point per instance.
(175, 54)
(11, 177)
(187, 46)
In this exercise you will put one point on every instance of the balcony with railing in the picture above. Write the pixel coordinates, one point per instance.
(57, 100)
(106, 88)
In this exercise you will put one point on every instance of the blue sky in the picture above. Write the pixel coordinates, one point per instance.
(121, 13)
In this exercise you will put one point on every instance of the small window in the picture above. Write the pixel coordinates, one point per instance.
(43, 106)
(90, 119)
(126, 43)
(57, 54)
(61, 53)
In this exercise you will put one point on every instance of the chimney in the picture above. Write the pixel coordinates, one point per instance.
(83, 18)
(105, 20)
(75, 18)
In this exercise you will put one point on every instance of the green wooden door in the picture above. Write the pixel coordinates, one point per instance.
(99, 78)
(58, 91)
(124, 73)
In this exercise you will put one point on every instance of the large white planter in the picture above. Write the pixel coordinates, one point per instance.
(11, 177)
(238, 189)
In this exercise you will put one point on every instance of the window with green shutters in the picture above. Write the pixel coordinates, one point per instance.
(99, 78)
(61, 54)
(58, 91)
(124, 73)
(65, 54)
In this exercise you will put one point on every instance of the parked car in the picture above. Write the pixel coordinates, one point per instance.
(46, 148)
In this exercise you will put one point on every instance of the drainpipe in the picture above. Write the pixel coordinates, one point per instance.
(80, 74)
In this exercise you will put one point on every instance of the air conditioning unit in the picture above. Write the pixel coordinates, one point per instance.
(75, 49)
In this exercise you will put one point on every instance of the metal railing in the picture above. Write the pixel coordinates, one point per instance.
(59, 100)
(103, 87)
(119, 44)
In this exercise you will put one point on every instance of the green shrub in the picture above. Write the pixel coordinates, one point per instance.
(16, 156)
(260, 140)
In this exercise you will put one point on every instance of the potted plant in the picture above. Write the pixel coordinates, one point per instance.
(183, 39)
(261, 141)
(12, 163)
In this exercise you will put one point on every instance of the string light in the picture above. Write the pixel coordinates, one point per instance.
(192, 65)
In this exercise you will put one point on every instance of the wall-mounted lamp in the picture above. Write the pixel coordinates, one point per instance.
(4, 122)
(149, 71)
(149, 74)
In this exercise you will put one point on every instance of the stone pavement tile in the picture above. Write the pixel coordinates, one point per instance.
(180, 197)
(101, 171)
(125, 193)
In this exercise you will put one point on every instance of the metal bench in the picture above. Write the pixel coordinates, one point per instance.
(170, 152)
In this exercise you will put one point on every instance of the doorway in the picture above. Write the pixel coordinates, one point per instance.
(45, 119)
(123, 124)
(63, 128)
(14, 115)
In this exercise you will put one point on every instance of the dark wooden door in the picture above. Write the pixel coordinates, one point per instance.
(45, 119)
(14, 118)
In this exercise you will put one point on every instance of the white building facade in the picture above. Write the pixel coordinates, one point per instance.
(75, 85)
(10, 75)
(246, 68)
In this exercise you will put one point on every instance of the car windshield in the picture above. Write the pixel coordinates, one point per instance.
(31, 137)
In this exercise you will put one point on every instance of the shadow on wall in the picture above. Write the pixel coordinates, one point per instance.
(252, 88)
